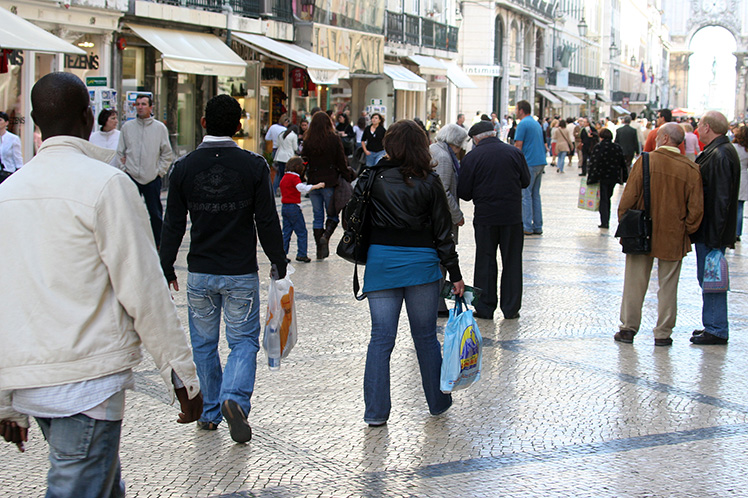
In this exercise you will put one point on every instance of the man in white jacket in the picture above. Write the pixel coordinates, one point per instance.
(87, 289)
(145, 154)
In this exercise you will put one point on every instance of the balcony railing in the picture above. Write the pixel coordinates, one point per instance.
(278, 9)
(414, 30)
(576, 79)
(246, 8)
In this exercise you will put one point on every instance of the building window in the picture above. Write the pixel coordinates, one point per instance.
(498, 42)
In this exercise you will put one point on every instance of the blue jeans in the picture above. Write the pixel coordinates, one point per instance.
(374, 158)
(83, 457)
(281, 168)
(238, 295)
(532, 212)
(714, 310)
(321, 199)
(741, 206)
(293, 221)
(421, 303)
(561, 159)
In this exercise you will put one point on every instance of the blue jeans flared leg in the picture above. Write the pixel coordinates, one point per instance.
(561, 160)
(321, 198)
(83, 456)
(374, 158)
(238, 296)
(421, 303)
(281, 168)
(293, 221)
(532, 212)
(714, 310)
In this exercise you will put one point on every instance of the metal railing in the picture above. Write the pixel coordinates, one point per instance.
(394, 27)
(412, 29)
(419, 31)
(576, 79)
(280, 10)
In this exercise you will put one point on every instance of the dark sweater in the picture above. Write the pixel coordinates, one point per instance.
(227, 192)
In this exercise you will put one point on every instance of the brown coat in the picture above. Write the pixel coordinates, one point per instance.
(677, 201)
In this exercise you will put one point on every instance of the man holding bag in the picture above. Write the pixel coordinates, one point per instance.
(227, 193)
(676, 205)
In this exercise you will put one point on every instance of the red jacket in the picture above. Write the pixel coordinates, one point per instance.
(289, 193)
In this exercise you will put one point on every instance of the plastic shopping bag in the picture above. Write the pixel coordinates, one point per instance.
(589, 196)
(716, 276)
(280, 320)
(463, 347)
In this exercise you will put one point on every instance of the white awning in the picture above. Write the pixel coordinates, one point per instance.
(458, 76)
(322, 71)
(620, 110)
(19, 34)
(402, 79)
(192, 53)
(548, 95)
(602, 97)
(591, 94)
(429, 65)
(568, 98)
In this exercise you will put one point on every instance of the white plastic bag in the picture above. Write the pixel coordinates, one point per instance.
(280, 320)
(463, 347)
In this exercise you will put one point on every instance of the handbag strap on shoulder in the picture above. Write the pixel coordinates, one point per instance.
(645, 178)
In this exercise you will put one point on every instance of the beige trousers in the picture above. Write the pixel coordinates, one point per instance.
(635, 283)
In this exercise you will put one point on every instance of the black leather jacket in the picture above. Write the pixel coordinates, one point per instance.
(415, 215)
(720, 174)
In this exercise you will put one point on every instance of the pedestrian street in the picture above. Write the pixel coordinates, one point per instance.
(561, 410)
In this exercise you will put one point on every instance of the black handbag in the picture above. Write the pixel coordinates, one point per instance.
(635, 226)
(354, 245)
(4, 174)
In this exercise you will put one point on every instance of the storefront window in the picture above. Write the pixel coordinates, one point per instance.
(186, 113)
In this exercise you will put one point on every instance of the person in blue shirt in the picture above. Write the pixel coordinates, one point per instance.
(529, 139)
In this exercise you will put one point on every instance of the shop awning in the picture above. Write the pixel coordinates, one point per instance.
(458, 76)
(19, 34)
(322, 71)
(603, 98)
(402, 79)
(620, 110)
(568, 98)
(429, 65)
(548, 95)
(192, 53)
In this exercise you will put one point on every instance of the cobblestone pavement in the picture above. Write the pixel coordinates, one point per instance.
(561, 409)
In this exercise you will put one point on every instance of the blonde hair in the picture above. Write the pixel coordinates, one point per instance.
(687, 127)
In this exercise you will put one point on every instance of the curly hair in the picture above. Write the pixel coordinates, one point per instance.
(741, 136)
(222, 116)
(320, 138)
(406, 143)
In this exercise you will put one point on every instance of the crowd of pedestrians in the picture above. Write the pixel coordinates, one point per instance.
(106, 286)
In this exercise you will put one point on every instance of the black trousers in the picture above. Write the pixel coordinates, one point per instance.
(606, 192)
(151, 193)
(509, 239)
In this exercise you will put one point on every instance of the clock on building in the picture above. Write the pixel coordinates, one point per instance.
(715, 6)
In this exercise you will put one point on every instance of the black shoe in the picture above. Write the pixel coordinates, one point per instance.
(239, 428)
(664, 342)
(206, 426)
(288, 260)
(303, 259)
(483, 316)
(582, 174)
(442, 313)
(513, 317)
(625, 336)
(697, 332)
(707, 339)
(603, 226)
(539, 232)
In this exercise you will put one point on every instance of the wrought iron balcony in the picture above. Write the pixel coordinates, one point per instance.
(414, 30)
(576, 79)
(278, 9)
(394, 27)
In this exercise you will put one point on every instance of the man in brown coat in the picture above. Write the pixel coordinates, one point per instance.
(677, 206)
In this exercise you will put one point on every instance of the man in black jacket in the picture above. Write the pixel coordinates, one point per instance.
(589, 137)
(720, 173)
(227, 193)
(493, 175)
(628, 139)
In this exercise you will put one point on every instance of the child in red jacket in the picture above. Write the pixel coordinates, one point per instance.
(291, 188)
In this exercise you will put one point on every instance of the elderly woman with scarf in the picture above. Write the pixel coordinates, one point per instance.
(444, 152)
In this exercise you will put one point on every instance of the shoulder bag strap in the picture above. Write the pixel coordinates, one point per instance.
(645, 178)
(366, 195)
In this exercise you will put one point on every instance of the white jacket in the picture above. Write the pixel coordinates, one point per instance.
(144, 143)
(84, 284)
(287, 147)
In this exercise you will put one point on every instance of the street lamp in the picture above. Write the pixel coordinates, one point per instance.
(613, 50)
(633, 61)
(582, 27)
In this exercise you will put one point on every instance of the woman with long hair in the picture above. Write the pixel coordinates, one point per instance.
(741, 145)
(372, 139)
(410, 234)
(326, 162)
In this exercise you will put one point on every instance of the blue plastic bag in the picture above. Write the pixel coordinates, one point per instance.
(716, 276)
(463, 347)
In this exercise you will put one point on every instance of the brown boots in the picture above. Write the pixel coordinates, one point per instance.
(322, 238)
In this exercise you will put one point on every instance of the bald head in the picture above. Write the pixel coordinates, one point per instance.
(670, 134)
(61, 106)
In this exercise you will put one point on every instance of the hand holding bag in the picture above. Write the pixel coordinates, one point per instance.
(716, 275)
(281, 330)
(589, 196)
(635, 226)
(463, 346)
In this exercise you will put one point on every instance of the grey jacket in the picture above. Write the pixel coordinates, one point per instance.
(144, 144)
(444, 168)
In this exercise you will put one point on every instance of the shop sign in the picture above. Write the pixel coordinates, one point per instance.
(482, 70)
(82, 61)
(360, 52)
(96, 81)
(515, 69)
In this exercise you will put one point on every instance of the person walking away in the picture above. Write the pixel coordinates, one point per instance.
(564, 141)
(741, 147)
(372, 140)
(411, 234)
(444, 152)
(87, 293)
(145, 154)
(691, 142)
(288, 144)
(588, 137)
(529, 139)
(552, 141)
(492, 175)
(628, 138)
(275, 130)
(358, 129)
(607, 167)
(676, 207)
(226, 192)
(293, 219)
(720, 172)
(326, 163)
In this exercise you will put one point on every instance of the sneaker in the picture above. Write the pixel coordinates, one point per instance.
(239, 428)
(303, 259)
(206, 426)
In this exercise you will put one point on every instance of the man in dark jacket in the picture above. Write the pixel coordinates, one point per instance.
(589, 137)
(227, 193)
(720, 173)
(492, 175)
(628, 139)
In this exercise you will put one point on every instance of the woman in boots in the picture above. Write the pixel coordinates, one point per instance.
(326, 162)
